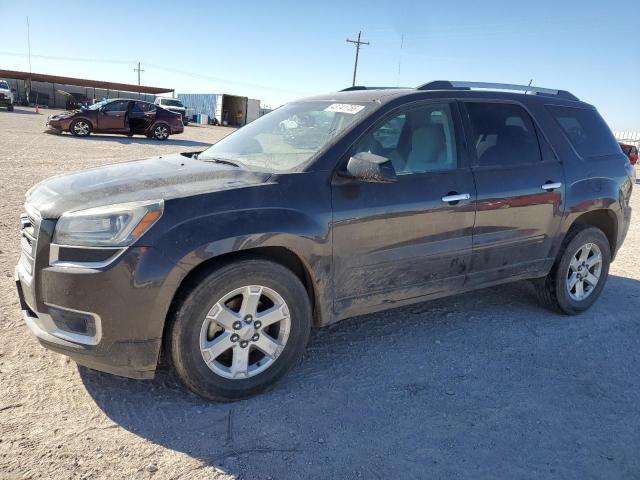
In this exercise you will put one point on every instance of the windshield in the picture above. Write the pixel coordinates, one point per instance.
(287, 138)
(4, 85)
(171, 103)
(96, 106)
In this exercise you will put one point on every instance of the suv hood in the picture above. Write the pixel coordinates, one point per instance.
(155, 178)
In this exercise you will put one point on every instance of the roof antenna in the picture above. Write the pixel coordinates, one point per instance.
(528, 85)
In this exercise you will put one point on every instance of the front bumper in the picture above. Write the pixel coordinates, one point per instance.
(51, 128)
(56, 125)
(126, 302)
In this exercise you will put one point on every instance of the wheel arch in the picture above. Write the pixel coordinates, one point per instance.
(157, 122)
(277, 254)
(603, 219)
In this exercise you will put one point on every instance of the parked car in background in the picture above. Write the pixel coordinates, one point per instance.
(630, 151)
(221, 262)
(174, 105)
(118, 115)
(6, 96)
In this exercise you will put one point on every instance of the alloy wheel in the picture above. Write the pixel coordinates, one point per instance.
(81, 128)
(584, 272)
(161, 132)
(245, 332)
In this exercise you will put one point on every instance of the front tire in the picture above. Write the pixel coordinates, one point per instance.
(239, 329)
(80, 128)
(161, 131)
(579, 274)
(10, 108)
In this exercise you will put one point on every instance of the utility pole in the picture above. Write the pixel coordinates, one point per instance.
(139, 70)
(355, 66)
(28, 92)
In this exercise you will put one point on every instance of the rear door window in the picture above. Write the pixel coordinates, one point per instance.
(147, 107)
(503, 134)
(586, 130)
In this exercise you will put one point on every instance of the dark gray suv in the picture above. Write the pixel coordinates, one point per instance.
(329, 207)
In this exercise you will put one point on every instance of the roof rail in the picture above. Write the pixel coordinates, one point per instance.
(457, 85)
(362, 87)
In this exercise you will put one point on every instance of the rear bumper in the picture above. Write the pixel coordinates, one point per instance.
(177, 129)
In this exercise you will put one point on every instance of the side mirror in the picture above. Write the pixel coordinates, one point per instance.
(369, 167)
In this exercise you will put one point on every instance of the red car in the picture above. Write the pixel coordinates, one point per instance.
(118, 115)
(630, 151)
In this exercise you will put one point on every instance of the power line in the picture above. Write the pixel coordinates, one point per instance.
(184, 73)
(355, 66)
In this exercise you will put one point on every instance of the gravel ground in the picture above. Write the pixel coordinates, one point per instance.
(483, 385)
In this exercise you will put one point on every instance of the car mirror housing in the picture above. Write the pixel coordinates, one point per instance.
(369, 167)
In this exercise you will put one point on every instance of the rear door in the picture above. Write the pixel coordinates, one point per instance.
(145, 115)
(112, 116)
(396, 242)
(520, 185)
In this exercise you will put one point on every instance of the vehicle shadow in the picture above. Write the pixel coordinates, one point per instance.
(20, 111)
(486, 384)
(136, 140)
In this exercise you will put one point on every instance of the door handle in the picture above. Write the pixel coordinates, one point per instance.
(551, 186)
(456, 198)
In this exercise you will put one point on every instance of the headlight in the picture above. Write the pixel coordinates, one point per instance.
(109, 226)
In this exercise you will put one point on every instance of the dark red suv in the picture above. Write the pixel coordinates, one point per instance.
(119, 115)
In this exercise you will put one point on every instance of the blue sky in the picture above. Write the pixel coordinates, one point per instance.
(281, 50)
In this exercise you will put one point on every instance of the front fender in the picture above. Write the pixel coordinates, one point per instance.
(201, 238)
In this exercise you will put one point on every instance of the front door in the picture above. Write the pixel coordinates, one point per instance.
(398, 242)
(112, 116)
(520, 191)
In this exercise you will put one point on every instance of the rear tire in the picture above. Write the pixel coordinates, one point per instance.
(584, 260)
(204, 353)
(161, 131)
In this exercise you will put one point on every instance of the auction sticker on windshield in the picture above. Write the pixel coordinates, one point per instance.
(344, 108)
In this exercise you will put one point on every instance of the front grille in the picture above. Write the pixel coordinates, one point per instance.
(28, 240)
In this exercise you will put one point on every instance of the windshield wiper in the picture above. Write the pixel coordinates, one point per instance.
(220, 160)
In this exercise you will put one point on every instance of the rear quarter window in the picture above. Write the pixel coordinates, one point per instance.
(586, 130)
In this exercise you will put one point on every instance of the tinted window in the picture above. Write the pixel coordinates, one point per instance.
(419, 140)
(586, 130)
(146, 107)
(143, 107)
(503, 134)
(117, 106)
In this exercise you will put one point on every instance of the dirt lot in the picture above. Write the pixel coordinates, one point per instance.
(485, 385)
